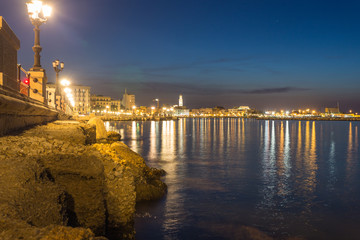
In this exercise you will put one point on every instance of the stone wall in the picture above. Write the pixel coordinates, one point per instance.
(17, 113)
(9, 45)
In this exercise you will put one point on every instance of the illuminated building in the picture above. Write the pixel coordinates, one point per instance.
(181, 111)
(101, 103)
(81, 96)
(240, 111)
(128, 101)
(332, 110)
(81, 99)
(181, 103)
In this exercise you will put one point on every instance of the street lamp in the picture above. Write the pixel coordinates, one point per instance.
(58, 67)
(38, 14)
(65, 82)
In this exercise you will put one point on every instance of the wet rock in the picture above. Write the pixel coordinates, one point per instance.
(113, 137)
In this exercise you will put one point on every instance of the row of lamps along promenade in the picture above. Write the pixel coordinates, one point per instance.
(38, 14)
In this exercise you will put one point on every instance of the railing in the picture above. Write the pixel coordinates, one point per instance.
(18, 88)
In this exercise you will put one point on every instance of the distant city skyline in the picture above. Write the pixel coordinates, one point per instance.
(265, 54)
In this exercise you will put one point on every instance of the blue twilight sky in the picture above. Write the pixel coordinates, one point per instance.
(268, 54)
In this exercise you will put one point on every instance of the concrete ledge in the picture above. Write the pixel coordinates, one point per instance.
(16, 114)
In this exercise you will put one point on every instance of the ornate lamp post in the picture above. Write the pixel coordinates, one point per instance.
(58, 67)
(38, 14)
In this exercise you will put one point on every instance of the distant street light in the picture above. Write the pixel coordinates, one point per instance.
(38, 14)
(65, 82)
(58, 67)
(69, 97)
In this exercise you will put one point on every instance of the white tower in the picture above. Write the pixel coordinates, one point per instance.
(181, 101)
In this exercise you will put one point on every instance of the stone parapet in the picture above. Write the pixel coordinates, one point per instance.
(16, 114)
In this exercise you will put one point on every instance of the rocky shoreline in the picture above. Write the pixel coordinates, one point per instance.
(64, 181)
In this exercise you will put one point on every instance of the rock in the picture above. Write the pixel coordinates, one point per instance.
(147, 180)
(100, 128)
(68, 131)
(113, 137)
(120, 200)
(27, 190)
(16, 229)
(151, 190)
(89, 132)
(158, 172)
(82, 177)
(54, 186)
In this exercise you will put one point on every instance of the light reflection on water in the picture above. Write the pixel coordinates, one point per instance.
(287, 178)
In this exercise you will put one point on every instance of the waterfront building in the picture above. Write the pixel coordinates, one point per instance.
(181, 103)
(81, 98)
(181, 111)
(101, 103)
(202, 112)
(332, 110)
(128, 101)
(219, 111)
(115, 105)
(240, 111)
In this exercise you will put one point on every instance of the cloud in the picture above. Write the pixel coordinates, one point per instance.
(199, 63)
(276, 90)
(193, 88)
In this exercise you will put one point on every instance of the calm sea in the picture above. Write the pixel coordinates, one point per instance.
(286, 178)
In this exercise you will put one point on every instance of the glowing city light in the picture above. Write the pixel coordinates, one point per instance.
(65, 82)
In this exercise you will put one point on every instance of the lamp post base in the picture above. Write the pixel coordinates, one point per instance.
(37, 84)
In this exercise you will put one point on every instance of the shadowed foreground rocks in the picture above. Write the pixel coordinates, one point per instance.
(55, 185)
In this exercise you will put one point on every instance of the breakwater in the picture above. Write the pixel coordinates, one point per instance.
(60, 181)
